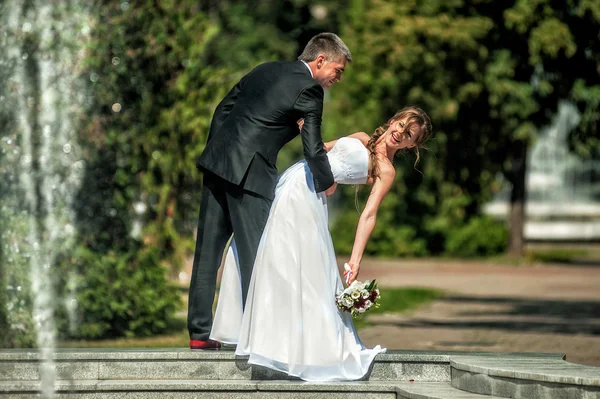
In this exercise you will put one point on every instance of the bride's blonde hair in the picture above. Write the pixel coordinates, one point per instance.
(415, 116)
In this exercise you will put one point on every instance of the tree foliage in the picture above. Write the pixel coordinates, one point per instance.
(489, 74)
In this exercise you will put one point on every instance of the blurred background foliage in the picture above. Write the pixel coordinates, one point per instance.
(490, 74)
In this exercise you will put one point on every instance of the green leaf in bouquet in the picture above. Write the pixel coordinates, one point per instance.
(372, 286)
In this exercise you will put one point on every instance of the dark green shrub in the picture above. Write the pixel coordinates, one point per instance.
(481, 236)
(400, 241)
(122, 294)
(386, 240)
(557, 255)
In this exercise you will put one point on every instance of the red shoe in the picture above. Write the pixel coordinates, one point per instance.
(208, 344)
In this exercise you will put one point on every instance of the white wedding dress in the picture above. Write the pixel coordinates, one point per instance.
(291, 323)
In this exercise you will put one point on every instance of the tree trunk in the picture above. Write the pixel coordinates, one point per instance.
(517, 201)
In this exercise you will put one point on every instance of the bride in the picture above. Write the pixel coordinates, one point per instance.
(291, 322)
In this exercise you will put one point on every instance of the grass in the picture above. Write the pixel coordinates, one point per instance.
(393, 300)
(399, 300)
(558, 255)
(536, 256)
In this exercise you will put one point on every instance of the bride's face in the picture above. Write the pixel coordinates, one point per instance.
(400, 135)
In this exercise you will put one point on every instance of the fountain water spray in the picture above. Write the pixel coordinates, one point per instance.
(43, 39)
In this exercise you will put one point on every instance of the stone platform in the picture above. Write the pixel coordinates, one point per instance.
(179, 373)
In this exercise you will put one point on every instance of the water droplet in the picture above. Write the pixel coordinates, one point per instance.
(139, 207)
(124, 6)
(116, 61)
(19, 288)
(26, 27)
(156, 154)
(24, 56)
(94, 77)
(116, 107)
(112, 212)
(67, 148)
(69, 229)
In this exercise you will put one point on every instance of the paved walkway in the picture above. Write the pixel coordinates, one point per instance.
(553, 308)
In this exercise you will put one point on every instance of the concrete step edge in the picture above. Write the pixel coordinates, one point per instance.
(201, 385)
(170, 354)
(436, 390)
(411, 390)
(539, 370)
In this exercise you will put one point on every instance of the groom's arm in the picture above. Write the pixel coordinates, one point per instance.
(310, 105)
(224, 108)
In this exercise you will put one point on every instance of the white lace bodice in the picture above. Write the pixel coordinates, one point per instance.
(349, 160)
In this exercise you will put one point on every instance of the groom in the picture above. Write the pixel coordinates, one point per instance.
(250, 125)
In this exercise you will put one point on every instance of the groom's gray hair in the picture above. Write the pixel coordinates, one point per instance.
(328, 44)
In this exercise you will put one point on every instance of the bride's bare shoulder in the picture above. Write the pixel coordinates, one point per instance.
(362, 136)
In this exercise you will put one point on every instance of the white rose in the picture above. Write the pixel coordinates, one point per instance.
(365, 294)
(355, 295)
(368, 304)
(361, 310)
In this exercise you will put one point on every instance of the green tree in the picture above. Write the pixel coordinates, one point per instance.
(425, 54)
(489, 75)
(535, 49)
(157, 71)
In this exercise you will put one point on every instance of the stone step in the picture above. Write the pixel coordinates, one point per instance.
(230, 389)
(434, 390)
(514, 375)
(525, 378)
(128, 364)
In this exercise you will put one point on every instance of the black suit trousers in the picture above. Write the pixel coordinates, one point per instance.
(225, 208)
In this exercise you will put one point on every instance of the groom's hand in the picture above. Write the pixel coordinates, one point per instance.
(331, 190)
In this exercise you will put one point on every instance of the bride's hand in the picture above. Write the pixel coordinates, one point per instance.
(351, 275)
(329, 192)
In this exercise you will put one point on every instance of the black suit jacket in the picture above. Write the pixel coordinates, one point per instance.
(257, 118)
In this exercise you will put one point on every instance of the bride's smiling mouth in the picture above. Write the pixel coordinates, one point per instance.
(396, 138)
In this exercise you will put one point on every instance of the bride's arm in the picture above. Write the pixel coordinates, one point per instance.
(362, 136)
(366, 222)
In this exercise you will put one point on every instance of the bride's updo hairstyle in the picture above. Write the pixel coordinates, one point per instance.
(415, 116)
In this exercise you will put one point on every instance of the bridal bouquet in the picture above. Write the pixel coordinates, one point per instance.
(358, 297)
